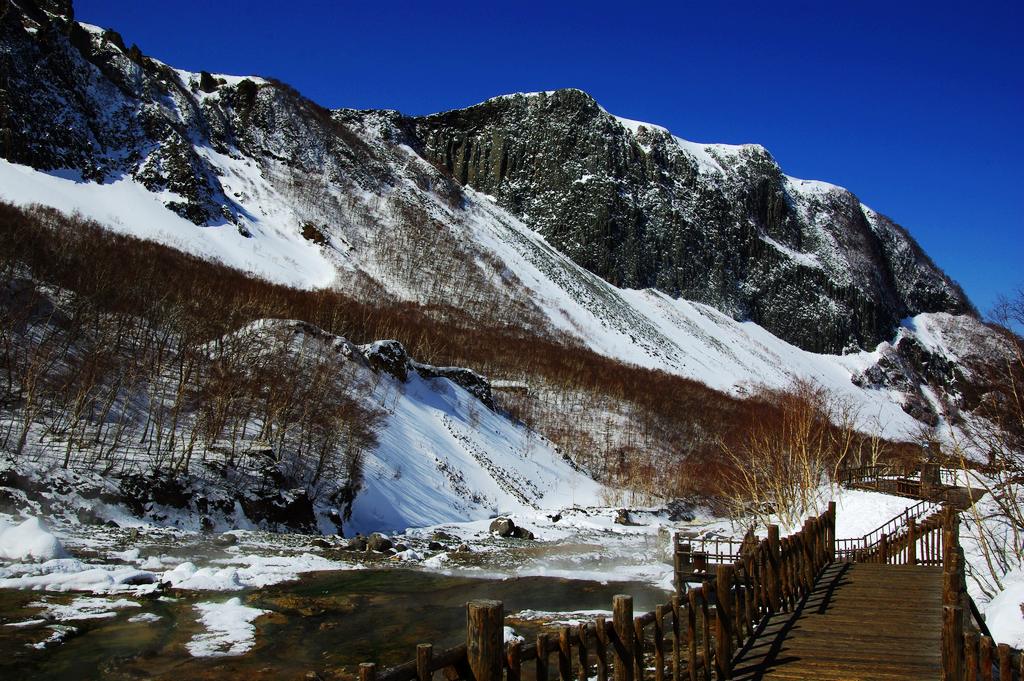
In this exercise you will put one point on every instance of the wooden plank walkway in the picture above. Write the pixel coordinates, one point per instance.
(862, 621)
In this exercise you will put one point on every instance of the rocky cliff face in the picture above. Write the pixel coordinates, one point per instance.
(629, 202)
(714, 223)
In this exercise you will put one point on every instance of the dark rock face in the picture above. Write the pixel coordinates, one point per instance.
(720, 225)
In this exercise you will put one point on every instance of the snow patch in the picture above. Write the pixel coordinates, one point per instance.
(229, 629)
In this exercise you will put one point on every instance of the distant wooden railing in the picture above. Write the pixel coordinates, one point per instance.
(930, 481)
(692, 636)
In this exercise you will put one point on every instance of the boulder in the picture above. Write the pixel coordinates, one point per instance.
(503, 527)
(435, 546)
(378, 542)
(622, 517)
(357, 543)
(522, 533)
(226, 539)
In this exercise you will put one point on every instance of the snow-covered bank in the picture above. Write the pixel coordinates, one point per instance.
(28, 540)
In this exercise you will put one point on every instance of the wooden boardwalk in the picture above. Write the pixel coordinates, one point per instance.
(861, 621)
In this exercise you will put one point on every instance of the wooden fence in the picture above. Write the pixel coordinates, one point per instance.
(695, 635)
(692, 636)
(930, 481)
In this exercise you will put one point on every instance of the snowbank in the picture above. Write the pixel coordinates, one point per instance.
(1003, 613)
(29, 540)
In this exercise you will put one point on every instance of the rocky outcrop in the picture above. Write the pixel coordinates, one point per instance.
(390, 356)
(714, 223)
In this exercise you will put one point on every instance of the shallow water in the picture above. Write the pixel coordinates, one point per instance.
(325, 623)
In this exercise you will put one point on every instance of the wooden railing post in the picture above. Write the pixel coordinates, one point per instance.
(911, 541)
(774, 568)
(367, 671)
(952, 643)
(723, 635)
(831, 531)
(971, 656)
(622, 619)
(485, 645)
(883, 548)
(424, 653)
(986, 658)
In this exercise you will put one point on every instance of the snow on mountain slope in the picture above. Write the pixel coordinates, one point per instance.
(444, 457)
(643, 327)
(125, 206)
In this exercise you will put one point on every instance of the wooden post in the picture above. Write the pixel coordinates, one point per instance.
(542, 657)
(638, 649)
(583, 672)
(515, 663)
(659, 643)
(622, 619)
(911, 542)
(971, 656)
(705, 629)
(677, 644)
(774, 569)
(951, 580)
(1005, 662)
(831, 531)
(986, 659)
(367, 671)
(883, 549)
(952, 643)
(691, 633)
(723, 639)
(424, 653)
(485, 645)
(601, 648)
(564, 655)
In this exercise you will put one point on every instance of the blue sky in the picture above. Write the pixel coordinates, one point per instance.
(915, 107)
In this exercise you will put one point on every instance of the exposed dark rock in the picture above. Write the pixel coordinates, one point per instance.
(503, 527)
(378, 542)
(522, 533)
(814, 267)
(622, 517)
(226, 539)
(357, 543)
(436, 546)
(322, 543)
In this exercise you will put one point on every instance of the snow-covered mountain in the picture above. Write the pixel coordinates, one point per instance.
(540, 213)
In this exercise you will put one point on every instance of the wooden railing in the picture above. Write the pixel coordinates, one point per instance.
(692, 636)
(901, 541)
(968, 651)
(930, 481)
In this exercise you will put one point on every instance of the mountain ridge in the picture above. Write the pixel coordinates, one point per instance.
(372, 203)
